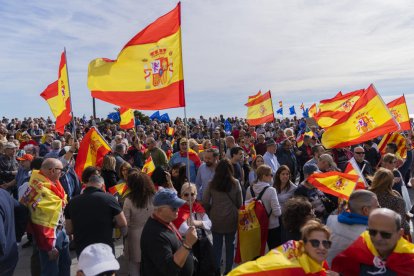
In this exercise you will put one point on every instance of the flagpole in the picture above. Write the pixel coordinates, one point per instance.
(273, 110)
(185, 123)
(70, 97)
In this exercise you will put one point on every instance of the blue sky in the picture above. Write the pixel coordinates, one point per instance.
(303, 51)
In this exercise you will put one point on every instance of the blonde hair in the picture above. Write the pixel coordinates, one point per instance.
(382, 182)
(312, 226)
(109, 163)
(263, 170)
(188, 186)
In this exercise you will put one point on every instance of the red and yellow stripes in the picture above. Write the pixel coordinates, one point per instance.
(399, 111)
(259, 109)
(149, 166)
(334, 183)
(148, 73)
(396, 138)
(57, 95)
(92, 150)
(369, 118)
(127, 118)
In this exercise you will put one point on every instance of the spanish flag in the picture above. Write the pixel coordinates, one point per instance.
(57, 95)
(396, 138)
(331, 110)
(399, 110)
(288, 259)
(120, 189)
(92, 150)
(313, 110)
(170, 131)
(353, 169)
(148, 73)
(362, 258)
(334, 183)
(45, 201)
(369, 118)
(149, 166)
(259, 109)
(127, 118)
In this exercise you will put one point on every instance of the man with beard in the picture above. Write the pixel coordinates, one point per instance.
(206, 171)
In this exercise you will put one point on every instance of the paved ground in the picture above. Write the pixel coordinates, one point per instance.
(23, 266)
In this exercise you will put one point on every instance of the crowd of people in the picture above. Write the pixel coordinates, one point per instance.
(182, 218)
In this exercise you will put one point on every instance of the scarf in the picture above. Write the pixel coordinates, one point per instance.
(352, 218)
(184, 213)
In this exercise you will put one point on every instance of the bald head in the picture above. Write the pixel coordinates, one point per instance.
(362, 202)
(52, 168)
(386, 215)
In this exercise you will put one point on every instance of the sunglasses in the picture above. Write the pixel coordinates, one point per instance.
(384, 235)
(362, 152)
(316, 243)
(187, 194)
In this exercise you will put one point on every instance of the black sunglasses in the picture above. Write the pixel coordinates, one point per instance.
(362, 152)
(316, 243)
(384, 235)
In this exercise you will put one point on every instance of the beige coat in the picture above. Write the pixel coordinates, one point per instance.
(136, 219)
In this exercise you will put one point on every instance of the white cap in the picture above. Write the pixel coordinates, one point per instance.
(97, 258)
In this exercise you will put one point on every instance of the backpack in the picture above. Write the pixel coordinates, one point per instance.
(252, 229)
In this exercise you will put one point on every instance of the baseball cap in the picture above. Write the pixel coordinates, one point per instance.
(183, 140)
(167, 197)
(97, 258)
(25, 157)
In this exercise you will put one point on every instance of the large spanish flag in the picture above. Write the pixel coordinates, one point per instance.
(92, 150)
(148, 73)
(57, 95)
(45, 201)
(259, 109)
(288, 259)
(396, 138)
(313, 110)
(399, 110)
(334, 183)
(331, 110)
(369, 118)
(127, 118)
(363, 255)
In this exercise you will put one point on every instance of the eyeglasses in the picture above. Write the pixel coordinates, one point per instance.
(316, 243)
(384, 235)
(360, 152)
(187, 194)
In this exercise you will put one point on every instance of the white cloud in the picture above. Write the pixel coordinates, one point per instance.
(303, 51)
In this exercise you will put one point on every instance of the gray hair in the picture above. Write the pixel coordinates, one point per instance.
(56, 144)
(95, 180)
(359, 199)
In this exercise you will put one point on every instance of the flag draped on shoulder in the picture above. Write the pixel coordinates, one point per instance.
(361, 258)
(127, 118)
(332, 110)
(287, 259)
(396, 138)
(92, 150)
(399, 110)
(57, 95)
(259, 109)
(45, 201)
(334, 183)
(368, 118)
(148, 73)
